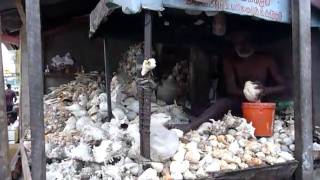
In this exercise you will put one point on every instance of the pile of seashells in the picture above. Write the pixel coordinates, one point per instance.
(229, 144)
(80, 143)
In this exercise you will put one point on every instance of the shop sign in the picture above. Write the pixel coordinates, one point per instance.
(273, 10)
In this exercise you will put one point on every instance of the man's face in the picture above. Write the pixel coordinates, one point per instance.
(219, 25)
(243, 46)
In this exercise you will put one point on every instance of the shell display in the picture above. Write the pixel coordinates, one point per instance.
(78, 135)
(81, 144)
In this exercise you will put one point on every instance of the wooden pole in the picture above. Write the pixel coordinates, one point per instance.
(4, 153)
(145, 91)
(107, 77)
(24, 90)
(301, 54)
(34, 48)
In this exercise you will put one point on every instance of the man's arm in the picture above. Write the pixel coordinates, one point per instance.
(230, 79)
(278, 79)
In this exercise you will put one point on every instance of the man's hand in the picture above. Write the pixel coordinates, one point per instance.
(253, 91)
(261, 88)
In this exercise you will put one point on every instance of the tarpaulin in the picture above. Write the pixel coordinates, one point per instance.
(272, 10)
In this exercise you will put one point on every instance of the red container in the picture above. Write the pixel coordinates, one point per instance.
(261, 115)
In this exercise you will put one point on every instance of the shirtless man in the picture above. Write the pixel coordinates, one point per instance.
(245, 65)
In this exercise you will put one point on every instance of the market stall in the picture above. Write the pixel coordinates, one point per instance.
(72, 145)
(104, 8)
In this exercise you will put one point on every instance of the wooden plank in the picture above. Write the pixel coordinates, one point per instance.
(34, 49)
(107, 77)
(4, 146)
(14, 159)
(25, 163)
(301, 54)
(24, 86)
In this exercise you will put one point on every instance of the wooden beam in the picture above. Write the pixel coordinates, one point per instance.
(21, 12)
(107, 76)
(99, 15)
(34, 49)
(25, 163)
(301, 54)
(4, 146)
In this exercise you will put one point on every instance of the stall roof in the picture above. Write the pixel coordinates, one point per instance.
(53, 13)
(276, 10)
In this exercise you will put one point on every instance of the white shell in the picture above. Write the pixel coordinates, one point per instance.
(100, 153)
(179, 167)
(189, 175)
(193, 156)
(177, 176)
(286, 156)
(178, 132)
(179, 156)
(70, 124)
(157, 166)
(201, 173)
(149, 174)
(81, 152)
(148, 65)
(213, 166)
(250, 91)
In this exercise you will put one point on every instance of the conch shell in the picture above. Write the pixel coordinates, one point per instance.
(251, 92)
(148, 65)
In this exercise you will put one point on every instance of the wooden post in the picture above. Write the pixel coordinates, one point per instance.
(24, 90)
(301, 54)
(4, 156)
(34, 49)
(107, 77)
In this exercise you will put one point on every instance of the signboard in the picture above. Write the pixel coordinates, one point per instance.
(273, 10)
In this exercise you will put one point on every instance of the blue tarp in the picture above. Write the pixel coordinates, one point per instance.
(272, 10)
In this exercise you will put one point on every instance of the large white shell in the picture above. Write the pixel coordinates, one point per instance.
(251, 92)
(81, 152)
(70, 124)
(148, 65)
(101, 153)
